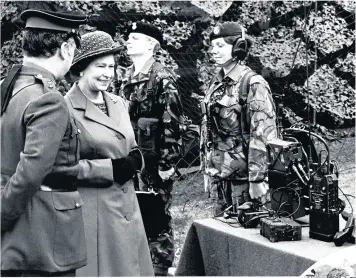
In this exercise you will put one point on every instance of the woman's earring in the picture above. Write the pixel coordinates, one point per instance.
(81, 74)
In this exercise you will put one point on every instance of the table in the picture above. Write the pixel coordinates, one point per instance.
(214, 248)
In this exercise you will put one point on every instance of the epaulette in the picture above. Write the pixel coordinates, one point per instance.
(258, 79)
(166, 73)
(48, 84)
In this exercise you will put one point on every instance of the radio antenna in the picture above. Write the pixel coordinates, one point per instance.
(308, 93)
(280, 105)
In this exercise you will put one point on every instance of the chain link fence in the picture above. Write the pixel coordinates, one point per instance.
(304, 49)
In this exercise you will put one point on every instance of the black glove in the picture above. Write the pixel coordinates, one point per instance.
(125, 168)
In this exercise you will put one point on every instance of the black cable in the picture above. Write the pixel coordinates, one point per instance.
(350, 195)
(230, 224)
(280, 205)
(352, 209)
(225, 210)
(316, 136)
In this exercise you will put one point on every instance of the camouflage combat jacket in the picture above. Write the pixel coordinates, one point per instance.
(155, 114)
(221, 130)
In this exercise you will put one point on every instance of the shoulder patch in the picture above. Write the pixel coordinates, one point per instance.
(258, 79)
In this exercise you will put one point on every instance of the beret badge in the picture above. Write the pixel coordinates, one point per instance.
(216, 30)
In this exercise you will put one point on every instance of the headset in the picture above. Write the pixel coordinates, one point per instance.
(239, 50)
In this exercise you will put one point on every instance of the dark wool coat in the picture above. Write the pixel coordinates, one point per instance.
(116, 240)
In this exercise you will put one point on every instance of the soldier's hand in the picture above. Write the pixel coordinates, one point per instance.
(258, 189)
(165, 175)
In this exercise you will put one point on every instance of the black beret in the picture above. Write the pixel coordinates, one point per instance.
(148, 30)
(226, 29)
(49, 20)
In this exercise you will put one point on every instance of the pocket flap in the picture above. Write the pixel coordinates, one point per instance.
(67, 200)
(144, 123)
(148, 125)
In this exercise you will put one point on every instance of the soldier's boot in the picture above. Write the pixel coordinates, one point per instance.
(239, 195)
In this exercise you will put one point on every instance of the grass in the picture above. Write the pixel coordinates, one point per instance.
(190, 202)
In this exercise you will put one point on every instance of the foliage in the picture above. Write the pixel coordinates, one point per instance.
(9, 11)
(205, 66)
(347, 5)
(267, 48)
(326, 30)
(248, 13)
(88, 7)
(213, 8)
(329, 30)
(11, 53)
(155, 8)
(291, 119)
(346, 65)
(176, 33)
(329, 94)
(287, 6)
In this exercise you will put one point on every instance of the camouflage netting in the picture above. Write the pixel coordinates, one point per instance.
(296, 44)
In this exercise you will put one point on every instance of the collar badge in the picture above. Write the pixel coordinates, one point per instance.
(216, 30)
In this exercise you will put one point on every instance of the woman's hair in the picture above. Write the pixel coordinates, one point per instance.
(82, 65)
(42, 43)
(157, 45)
(233, 39)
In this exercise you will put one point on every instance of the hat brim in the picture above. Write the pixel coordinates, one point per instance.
(96, 53)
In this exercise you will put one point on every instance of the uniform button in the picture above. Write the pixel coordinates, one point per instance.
(79, 131)
(125, 189)
(128, 217)
(77, 205)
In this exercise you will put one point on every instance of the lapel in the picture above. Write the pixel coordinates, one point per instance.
(81, 102)
(215, 85)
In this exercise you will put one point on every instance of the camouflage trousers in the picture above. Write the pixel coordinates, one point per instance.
(162, 245)
(226, 193)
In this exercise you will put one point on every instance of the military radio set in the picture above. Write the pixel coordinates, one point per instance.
(303, 184)
(300, 185)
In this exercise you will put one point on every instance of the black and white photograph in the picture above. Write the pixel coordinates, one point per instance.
(178, 138)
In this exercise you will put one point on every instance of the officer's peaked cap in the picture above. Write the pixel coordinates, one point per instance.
(226, 29)
(56, 21)
(148, 30)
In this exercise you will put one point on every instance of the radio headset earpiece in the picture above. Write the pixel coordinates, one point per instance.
(239, 50)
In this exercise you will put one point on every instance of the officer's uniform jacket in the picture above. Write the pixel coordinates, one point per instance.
(227, 153)
(162, 103)
(41, 215)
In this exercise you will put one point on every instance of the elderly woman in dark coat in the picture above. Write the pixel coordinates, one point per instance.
(117, 244)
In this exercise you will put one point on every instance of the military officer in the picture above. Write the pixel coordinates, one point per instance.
(42, 231)
(235, 132)
(156, 116)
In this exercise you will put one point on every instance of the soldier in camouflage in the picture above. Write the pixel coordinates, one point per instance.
(156, 116)
(234, 162)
